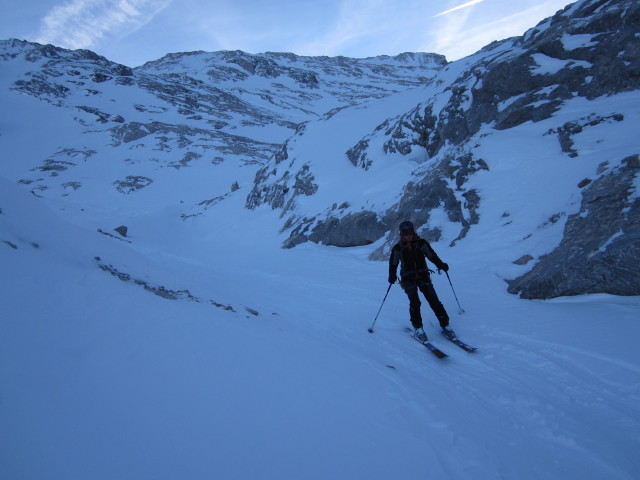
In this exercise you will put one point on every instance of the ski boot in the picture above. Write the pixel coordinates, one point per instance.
(449, 333)
(420, 335)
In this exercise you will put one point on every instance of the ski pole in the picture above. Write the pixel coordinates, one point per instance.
(454, 292)
(380, 309)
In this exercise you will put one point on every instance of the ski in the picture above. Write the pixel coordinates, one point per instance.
(431, 347)
(461, 344)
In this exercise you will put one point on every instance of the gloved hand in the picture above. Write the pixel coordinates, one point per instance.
(444, 267)
(393, 278)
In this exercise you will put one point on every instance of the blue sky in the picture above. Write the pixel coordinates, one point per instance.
(135, 31)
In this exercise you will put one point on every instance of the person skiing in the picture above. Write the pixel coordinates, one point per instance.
(410, 253)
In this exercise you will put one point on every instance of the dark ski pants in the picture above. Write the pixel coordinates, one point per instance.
(411, 288)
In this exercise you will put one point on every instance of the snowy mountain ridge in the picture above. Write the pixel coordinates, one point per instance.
(232, 110)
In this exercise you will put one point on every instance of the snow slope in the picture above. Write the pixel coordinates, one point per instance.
(102, 379)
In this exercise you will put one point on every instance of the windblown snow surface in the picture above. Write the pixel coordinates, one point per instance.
(267, 370)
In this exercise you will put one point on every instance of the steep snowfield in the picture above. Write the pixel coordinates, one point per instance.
(102, 379)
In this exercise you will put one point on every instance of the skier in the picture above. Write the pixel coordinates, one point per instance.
(410, 252)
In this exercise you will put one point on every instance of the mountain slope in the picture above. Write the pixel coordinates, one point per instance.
(121, 131)
(554, 110)
(196, 347)
(421, 139)
(103, 376)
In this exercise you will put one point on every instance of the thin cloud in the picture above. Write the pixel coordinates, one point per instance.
(356, 20)
(457, 39)
(84, 23)
(459, 7)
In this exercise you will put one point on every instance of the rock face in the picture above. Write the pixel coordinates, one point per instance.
(132, 184)
(435, 191)
(352, 230)
(601, 246)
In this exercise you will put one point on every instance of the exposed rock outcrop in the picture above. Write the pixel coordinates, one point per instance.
(601, 246)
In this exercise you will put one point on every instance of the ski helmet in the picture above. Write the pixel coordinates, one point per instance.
(406, 227)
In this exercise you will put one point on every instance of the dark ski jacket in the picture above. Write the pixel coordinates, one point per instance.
(412, 259)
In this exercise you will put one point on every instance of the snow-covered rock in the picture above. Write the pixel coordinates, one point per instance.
(550, 76)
